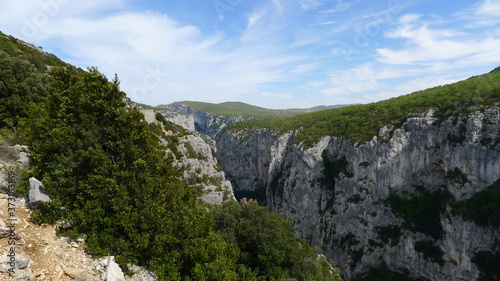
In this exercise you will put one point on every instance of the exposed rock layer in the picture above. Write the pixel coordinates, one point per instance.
(339, 208)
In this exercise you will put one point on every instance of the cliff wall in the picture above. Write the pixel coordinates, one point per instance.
(337, 193)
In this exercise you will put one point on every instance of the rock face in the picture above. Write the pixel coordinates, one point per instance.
(335, 191)
(195, 155)
(204, 122)
(186, 121)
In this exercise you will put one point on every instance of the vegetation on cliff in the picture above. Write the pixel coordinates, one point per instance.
(483, 208)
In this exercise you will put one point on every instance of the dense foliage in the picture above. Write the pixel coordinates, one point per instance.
(360, 123)
(109, 177)
(421, 212)
(22, 79)
(430, 251)
(483, 208)
(268, 246)
(382, 274)
(489, 265)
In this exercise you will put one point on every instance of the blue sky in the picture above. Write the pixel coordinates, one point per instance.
(270, 53)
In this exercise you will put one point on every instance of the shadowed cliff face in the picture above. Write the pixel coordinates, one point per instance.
(388, 199)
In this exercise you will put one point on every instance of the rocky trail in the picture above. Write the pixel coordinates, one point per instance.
(35, 252)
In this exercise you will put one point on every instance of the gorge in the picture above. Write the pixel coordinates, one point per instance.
(394, 199)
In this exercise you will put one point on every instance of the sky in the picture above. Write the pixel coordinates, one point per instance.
(269, 53)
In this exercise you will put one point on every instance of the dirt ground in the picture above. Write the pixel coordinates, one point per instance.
(51, 257)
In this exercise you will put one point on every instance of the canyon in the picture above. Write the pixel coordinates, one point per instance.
(337, 192)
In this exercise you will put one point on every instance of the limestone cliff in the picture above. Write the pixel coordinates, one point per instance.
(336, 192)
(194, 154)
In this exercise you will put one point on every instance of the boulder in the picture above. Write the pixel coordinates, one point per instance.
(22, 261)
(22, 155)
(77, 274)
(113, 271)
(37, 194)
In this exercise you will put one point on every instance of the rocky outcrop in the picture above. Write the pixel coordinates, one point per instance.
(194, 154)
(186, 121)
(336, 192)
(22, 154)
(204, 122)
(37, 194)
(113, 271)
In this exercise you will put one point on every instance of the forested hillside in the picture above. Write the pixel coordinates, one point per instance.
(243, 109)
(360, 123)
(110, 178)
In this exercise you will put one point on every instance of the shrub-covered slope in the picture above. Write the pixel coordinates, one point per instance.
(243, 109)
(360, 123)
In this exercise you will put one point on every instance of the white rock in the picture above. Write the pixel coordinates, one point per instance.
(113, 271)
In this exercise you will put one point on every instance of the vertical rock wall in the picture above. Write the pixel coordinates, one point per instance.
(336, 192)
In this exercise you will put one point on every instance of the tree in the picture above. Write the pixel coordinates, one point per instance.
(267, 244)
(108, 175)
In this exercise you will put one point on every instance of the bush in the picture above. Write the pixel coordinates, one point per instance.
(382, 274)
(389, 234)
(489, 265)
(421, 213)
(430, 251)
(267, 245)
(483, 208)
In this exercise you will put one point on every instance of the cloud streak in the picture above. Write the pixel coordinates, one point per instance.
(263, 52)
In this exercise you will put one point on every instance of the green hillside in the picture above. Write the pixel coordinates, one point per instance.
(16, 48)
(240, 108)
(360, 123)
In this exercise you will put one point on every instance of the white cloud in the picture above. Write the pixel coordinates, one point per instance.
(279, 7)
(489, 8)
(328, 22)
(158, 59)
(341, 7)
(310, 4)
(425, 45)
(254, 17)
(484, 13)
(304, 68)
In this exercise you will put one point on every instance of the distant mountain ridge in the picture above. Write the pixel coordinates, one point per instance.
(244, 109)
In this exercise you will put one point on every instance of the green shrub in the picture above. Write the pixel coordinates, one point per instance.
(421, 213)
(489, 265)
(430, 251)
(483, 208)
(267, 246)
(382, 274)
(389, 234)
